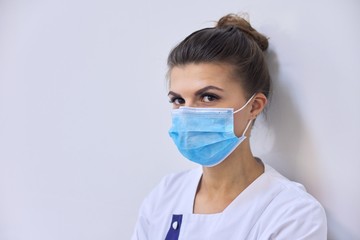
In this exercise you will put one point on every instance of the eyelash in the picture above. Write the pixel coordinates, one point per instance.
(173, 99)
(210, 95)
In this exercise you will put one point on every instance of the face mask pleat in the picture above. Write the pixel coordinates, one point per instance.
(198, 122)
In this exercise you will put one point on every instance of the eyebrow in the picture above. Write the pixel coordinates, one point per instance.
(198, 92)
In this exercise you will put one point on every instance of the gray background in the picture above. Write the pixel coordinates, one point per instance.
(84, 113)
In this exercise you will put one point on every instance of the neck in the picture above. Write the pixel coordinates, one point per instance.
(234, 174)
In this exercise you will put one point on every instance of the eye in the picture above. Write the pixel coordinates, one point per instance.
(177, 101)
(209, 97)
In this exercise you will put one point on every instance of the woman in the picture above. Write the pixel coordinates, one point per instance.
(218, 84)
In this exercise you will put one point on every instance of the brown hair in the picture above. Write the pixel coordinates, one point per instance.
(232, 41)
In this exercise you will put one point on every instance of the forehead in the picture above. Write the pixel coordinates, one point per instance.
(195, 76)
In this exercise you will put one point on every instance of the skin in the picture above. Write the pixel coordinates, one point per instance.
(213, 85)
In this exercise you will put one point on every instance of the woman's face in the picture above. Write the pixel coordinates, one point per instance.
(209, 85)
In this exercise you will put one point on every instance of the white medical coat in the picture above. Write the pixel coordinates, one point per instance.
(272, 207)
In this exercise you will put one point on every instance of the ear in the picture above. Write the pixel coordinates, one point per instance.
(258, 104)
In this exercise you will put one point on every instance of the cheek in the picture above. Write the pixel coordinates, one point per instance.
(240, 123)
(237, 127)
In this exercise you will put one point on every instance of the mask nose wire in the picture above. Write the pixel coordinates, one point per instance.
(245, 104)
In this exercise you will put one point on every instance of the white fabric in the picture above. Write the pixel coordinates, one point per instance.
(272, 207)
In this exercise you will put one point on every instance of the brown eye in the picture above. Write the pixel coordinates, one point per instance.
(209, 98)
(177, 101)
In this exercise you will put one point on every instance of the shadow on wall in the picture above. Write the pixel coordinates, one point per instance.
(337, 231)
(284, 121)
(294, 153)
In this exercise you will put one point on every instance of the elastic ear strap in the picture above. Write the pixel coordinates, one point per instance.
(245, 104)
(247, 127)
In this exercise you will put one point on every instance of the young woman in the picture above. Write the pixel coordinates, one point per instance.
(218, 84)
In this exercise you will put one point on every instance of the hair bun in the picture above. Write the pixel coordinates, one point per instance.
(233, 20)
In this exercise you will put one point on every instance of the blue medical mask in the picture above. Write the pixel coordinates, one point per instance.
(206, 135)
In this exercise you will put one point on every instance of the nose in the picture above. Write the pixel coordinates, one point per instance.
(190, 103)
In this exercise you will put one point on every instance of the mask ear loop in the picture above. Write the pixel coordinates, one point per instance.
(247, 127)
(249, 123)
(245, 104)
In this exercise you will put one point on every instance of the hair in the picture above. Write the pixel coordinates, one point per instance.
(232, 41)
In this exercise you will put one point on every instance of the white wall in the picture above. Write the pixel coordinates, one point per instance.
(84, 113)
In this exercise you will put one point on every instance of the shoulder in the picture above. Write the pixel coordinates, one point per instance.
(175, 182)
(291, 192)
(174, 186)
(293, 211)
(178, 178)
